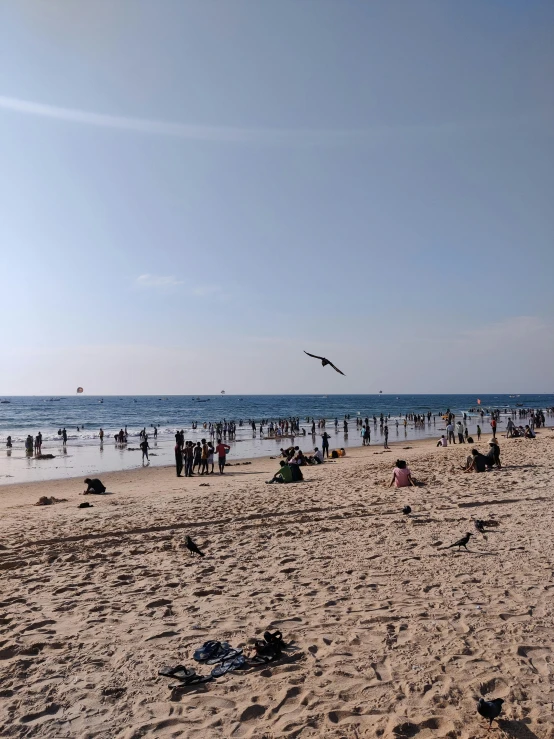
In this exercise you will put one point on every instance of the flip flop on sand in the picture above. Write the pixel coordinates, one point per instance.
(189, 682)
(180, 672)
(208, 649)
(224, 656)
(229, 665)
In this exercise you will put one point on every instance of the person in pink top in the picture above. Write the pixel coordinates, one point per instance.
(401, 475)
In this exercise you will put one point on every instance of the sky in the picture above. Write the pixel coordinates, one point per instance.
(193, 192)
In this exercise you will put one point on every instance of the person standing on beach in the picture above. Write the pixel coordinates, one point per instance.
(478, 432)
(325, 444)
(450, 433)
(204, 458)
(144, 448)
(197, 451)
(64, 437)
(221, 450)
(493, 427)
(189, 459)
(178, 455)
(101, 436)
(210, 457)
(386, 444)
(460, 432)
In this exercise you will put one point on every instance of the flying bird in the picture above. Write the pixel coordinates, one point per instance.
(490, 709)
(407, 510)
(461, 542)
(325, 362)
(191, 546)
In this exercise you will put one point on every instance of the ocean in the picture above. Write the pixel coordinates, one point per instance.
(85, 456)
(29, 415)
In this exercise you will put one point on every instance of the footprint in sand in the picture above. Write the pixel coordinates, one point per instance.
(536, 657)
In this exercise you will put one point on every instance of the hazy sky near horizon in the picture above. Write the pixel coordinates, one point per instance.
(192, 192)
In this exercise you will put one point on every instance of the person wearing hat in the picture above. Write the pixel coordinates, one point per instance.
(494, 453)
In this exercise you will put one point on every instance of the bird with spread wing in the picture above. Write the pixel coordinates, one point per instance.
(325, 362)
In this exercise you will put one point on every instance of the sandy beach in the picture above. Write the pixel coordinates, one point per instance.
(391, 633)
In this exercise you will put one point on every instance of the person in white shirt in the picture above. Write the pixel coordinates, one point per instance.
(460, 432)
(442, 441)
(450, 433)
(318, 455)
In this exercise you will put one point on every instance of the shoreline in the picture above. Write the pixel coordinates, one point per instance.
(164, 473)
(95, 460)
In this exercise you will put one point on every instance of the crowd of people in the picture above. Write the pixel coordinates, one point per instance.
(195, 454)
(198, 458)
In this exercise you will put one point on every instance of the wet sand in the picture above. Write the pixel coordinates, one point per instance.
(392, 634)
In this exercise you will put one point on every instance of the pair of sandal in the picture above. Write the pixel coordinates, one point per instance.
(212, 652)
(184, 675)
(270, 649)
(223, 655)
(187, 677)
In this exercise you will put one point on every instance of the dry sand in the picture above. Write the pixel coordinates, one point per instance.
(393, 635)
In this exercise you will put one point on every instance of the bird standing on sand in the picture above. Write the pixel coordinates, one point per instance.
(490, 709)
(191, 546)
(462, 542)
(324, 362)
(406, 510)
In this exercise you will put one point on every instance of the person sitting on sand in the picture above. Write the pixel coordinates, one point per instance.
(300, 458)
(476, 462)
(442, 441)
(317, 456)
(95, 487)
(494, 454)
(290, 472)
(401, 475)
(529, 433)
(284, 474)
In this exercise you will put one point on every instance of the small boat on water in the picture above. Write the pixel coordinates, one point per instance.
(5, 401)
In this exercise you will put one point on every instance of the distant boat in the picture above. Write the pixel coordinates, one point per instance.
(100, 401)
(5, 401)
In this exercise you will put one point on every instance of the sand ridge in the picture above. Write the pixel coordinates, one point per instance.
(392, 634)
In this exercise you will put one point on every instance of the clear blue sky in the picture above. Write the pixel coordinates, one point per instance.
(193, 192)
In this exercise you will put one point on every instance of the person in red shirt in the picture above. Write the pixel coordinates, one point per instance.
(221, 450)
(493, 426)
